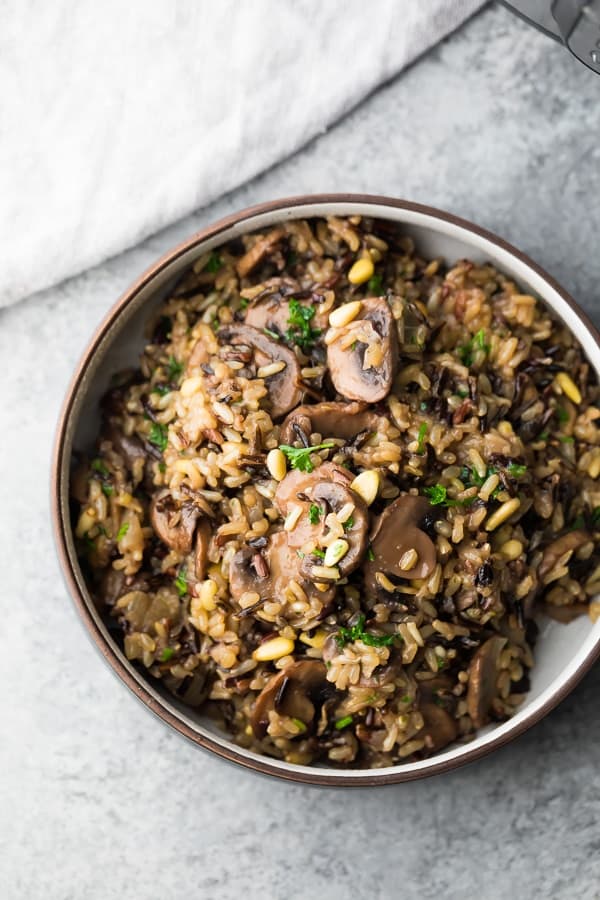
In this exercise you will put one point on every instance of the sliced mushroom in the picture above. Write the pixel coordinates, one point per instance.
(483, 677)
(284, 387)
(363, 357)
(296, 490)
(330, 419)
(335, 497)
(396, 532)
(128, 446)
(440, 727)
(201, 549)
(174, 523)
(559, 551)
(258, 251)
(273, 312)
(297, 691)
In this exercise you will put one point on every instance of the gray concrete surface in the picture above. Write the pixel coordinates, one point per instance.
(99, 801)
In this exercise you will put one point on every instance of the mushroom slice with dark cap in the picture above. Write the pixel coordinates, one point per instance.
(174, 523)
(128, 446)
(330, 419)
(284, 386)
(296, 489)
(363, 355)
(297, 691)
(483, 676)
(257, 252)
(334, 497)
(396, 532)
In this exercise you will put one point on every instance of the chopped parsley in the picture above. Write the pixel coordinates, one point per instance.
(299, 457)
(370, 554)
(122, 530)
(300, 725)
(300, 554)
(158, 436)
(214, 262)
(300, 331)
(107, 489)
(181, 583)
(161, 389)
(99, 466)
(441, 662)
(374, 284)
(596, 517)
(319, 553)
(314, 514)
(162, 467)
(174, 368)
(544, 435)
(460, 392)
(579, 522)
(272, 334)
(566, 439)
(166, 655)
(406, 699)
(343, 723)
(357, 633)
(349, 523)
(437, 494)
(477, 342)
(244, 302)
(421, 438)
(516, 470)
(470, 476)
(562, 415)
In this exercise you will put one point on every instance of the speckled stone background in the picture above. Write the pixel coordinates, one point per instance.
(99, 801)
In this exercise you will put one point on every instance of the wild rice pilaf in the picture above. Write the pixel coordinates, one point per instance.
(343, 480)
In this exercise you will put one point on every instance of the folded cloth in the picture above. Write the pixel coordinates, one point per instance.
(116, 119)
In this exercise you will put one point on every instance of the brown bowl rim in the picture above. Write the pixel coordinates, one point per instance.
(60, 527)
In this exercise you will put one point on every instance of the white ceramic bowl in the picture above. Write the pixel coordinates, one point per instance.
(563, 653)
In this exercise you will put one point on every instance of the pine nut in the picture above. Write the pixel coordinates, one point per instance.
(361, 271)
(503, 513)
(568, 387)
(366, 485)
(409, 560)
(335, 552)
(317, 640)
(277, 464)
(292, 518)
(511, 549)
(273, 649)
(326, 573)
(345, 314)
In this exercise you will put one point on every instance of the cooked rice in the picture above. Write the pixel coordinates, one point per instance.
(273, 615)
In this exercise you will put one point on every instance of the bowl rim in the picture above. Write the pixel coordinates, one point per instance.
(61, 526)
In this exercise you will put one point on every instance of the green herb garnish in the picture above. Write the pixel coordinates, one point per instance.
(161, 389)
(562, 415)
(579, 522)
(544, 435)
(181, 583)
(99, 466)
(174, 368)
(370, 554)
(300, 554)
(299, 457)
(421, 438)
(406, 699)
(357, 633)
(300, 331)
(477, 342)
(300, 725)
(349, 523)
(214, 262)
(462, 393)
(516, 470)
(162, 467)
(244, 302)
(314, 514)
(107, 489)
(159, 436)
(319, 553)
(374, 284)
(437, 494)
(272, 334)
(566, 439)
(343, 723)
(596, 517)
(440, 663)
(166, 655)
(122, 530)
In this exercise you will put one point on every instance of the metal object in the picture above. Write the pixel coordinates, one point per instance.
(575, 23)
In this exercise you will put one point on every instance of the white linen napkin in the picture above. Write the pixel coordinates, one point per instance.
(116, 119)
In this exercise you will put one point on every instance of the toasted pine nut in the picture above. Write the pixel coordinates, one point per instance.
(503, 513)
(317, 640)
(327, 573)
(511, 549)
(344, 314)
(568, 387)
(277, 464)
(409, 560)
(366, 485)
(335, 552)
(273, 649)
(361, 271)
(292, 518)
(223, 412)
